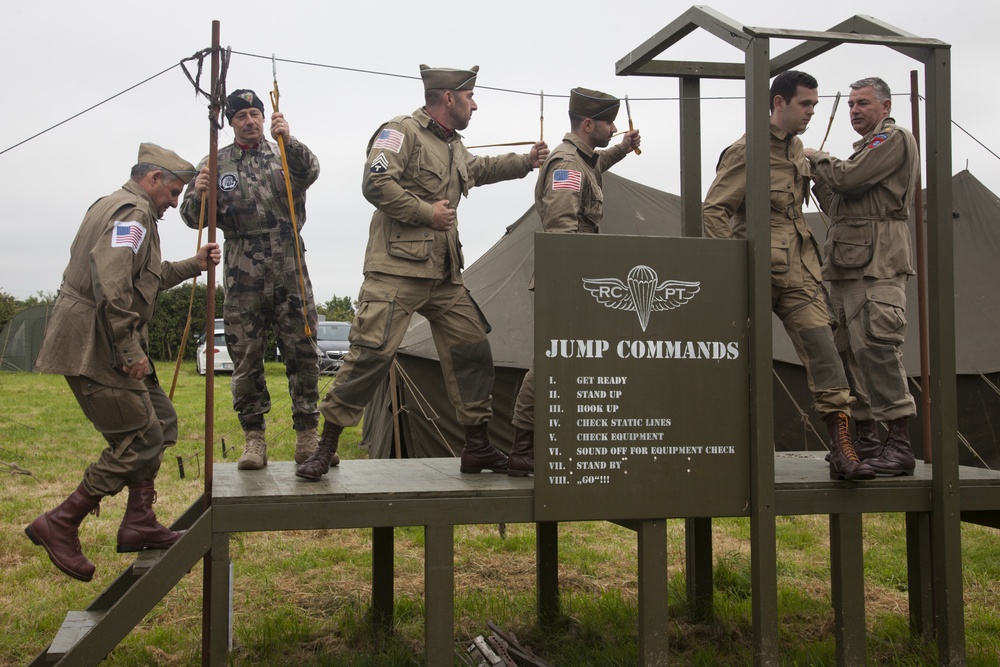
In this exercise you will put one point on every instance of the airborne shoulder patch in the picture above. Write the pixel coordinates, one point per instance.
(878, 140)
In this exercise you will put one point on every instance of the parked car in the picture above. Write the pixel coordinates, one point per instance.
(222, 360)
(332, 339)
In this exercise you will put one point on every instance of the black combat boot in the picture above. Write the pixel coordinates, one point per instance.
(844, 463)
(478, 454)
(867, 444)
(897, 456)
(521, 462)
(325, 455)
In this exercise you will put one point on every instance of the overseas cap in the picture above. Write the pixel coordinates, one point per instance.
(168, 160)
(449, 79)
(593, 104)
(241, 99)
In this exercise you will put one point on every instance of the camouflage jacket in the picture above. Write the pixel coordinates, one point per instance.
(868, 197)
(794, 251)
(412, 164)
(253, 201)
(568, 193)
(109, 290)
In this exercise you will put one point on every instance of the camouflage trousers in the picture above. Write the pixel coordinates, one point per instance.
(806, 317)
(263, 294)
(871, 326)
(137, 425)
(385, 306)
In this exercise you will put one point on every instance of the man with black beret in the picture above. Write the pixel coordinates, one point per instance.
(569, 199)
(416, 173)
(262, 271)
(97, 339)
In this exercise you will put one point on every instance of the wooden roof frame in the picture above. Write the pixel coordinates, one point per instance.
(757, 69)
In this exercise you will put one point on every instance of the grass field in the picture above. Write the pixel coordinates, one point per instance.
(302, 597)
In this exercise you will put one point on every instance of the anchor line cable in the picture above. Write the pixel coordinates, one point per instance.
(199, 56)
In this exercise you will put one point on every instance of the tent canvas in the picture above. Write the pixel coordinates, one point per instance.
(498, 281)
(21, 339)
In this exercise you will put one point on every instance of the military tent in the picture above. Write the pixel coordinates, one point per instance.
(21, 339)
(498, 280)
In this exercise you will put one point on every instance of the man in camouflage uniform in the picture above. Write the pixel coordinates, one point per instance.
(569, 199)
(416, 173)
(97, 339)
(797, 294)
(868, 260)
(262, 271)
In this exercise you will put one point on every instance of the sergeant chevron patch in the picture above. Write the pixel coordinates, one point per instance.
(380, 164)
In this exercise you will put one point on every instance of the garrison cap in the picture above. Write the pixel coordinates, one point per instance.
(448, 79)
(593, 104)
(241, 99)
(168, 160)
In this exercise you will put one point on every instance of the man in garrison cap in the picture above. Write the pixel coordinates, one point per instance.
(416, 173)
(97, 339)
(262, 271)
(569, 199)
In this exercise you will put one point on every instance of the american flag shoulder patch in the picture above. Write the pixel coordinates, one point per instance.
(566, 179)
(389, 139)
(128, 234)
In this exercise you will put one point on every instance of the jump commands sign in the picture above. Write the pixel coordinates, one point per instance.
(640, 416)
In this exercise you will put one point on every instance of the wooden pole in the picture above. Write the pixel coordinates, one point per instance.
(213, 170)
(918, 223)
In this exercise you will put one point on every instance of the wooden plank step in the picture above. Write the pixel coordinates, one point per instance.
(74, 627)
(146, 560)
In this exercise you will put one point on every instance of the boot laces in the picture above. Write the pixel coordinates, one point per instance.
(843, 438)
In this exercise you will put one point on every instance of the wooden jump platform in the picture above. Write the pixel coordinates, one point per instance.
(383, 494)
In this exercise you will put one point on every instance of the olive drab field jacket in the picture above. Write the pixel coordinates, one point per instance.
(411, 165)
(568, 193)
(109, 291)
(868, 197)
(793, 248)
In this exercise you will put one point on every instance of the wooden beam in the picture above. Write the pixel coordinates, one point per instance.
(698, 16)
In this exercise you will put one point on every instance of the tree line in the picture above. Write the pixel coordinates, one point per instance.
(166, 329)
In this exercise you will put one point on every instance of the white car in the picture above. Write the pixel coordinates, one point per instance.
(223, 363)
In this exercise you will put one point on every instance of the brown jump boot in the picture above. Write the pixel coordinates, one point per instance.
(867, 444)
(897, 456)
(254, 451)
(56, 530)
(325, 455)
(139, 528)
(521, 462)
(478, 454)
(844, 463)
(305, 444)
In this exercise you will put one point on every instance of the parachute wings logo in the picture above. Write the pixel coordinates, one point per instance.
(641, 292)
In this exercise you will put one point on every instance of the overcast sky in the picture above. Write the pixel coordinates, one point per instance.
(62, 57)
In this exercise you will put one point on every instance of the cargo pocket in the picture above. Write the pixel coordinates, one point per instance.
(852, 244)
(374, 318)
(885, 319)
(410, 242)
(116, 410)
(780, 260)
